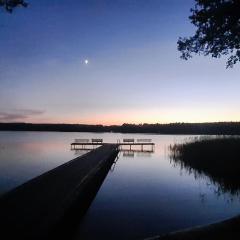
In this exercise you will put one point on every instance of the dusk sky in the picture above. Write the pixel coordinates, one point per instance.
(134, 73)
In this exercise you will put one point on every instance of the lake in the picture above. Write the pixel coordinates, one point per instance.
(144, 194)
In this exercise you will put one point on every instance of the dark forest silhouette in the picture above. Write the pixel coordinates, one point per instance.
(218, 128)
(218, 30)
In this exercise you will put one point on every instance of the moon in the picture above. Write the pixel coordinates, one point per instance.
(86, 61)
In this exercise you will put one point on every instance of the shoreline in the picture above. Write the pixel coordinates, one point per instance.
(217, 128)
(224, 230)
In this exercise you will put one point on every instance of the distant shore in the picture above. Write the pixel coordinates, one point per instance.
(215, 128)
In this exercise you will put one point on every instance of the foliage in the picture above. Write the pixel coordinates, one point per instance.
(9, 5)
(218, 30)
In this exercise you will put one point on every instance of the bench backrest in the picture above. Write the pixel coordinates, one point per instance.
(127, 140)
(79, 140)
(97, 140)
(144, 140)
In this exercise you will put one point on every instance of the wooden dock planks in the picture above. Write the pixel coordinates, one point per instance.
(36, 209)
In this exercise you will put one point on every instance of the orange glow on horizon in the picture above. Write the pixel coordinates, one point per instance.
(148, 116)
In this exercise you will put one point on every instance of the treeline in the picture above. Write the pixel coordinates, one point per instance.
(218, 128)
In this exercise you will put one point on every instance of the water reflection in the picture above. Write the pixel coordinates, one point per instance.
(216, 160)
(80, 152)
(137, 153)
(142, 196)
(128, 153)
(125, 152)
(114, 163)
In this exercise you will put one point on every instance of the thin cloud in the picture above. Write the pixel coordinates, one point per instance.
(18, 114)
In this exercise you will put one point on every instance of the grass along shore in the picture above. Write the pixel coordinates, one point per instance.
(219, 159)
(216, 157)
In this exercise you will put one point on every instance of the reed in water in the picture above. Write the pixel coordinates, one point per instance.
(216, 157)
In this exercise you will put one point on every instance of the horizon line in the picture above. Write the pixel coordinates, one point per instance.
(106, 125)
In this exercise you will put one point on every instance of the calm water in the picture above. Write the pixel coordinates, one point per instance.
(143, 195)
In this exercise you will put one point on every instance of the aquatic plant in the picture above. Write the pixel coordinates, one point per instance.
(215, 157)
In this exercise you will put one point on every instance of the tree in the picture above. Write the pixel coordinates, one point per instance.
(218, 31)
(9, 5)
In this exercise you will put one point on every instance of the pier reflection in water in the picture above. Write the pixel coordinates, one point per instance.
(142, 196)
(145, 195)
(128, 146)
(125, 152)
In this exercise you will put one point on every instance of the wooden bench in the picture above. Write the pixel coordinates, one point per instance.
(80, 140)
(142, 140)
(128, 140)
(97, 140)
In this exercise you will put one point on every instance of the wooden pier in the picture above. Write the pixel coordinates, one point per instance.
(83, 144)
(49, 205)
